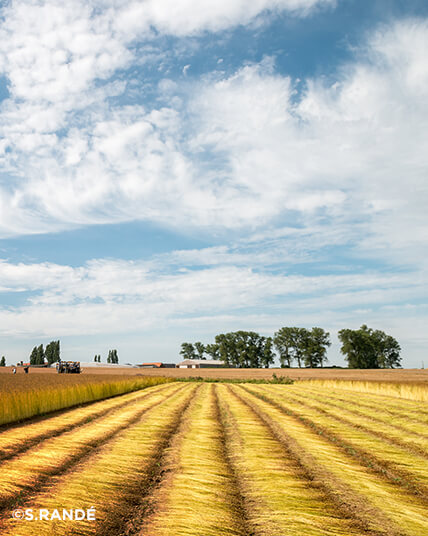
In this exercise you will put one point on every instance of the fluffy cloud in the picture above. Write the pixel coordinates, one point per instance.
(352, 148)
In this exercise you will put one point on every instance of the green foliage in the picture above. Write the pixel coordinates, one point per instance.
(268, 356)
(97, 358)
(213, 350)
(245, 349)
(37, 355)
(188, 350)
(2, 361)
(200, 349)
(316, 344)
(302, 345)
(112, 357)
(52, 352)
(369, 349)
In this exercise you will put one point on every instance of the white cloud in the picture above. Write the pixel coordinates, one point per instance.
(163, 290)
(244, 140)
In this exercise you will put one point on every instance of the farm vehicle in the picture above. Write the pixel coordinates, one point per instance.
(68, 367)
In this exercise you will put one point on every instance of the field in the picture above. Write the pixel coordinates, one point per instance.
(27, 395)
(386, 375)
(217, 459)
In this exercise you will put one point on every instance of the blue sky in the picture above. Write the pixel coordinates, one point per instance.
(169, 172)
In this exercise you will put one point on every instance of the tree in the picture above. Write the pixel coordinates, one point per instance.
(37, 355)
(57, 351)
(97, 358)
(284, 342)
(213, 350)
(368, 348)
(33, 356)
(113, 357)
(244, 349)
(188, 350)
(291, 343)
(2, 361)
(388, 350)
(52, 352)
(268, 357)
(358, 346)
(301, 341)
(200, 349)
(316, 344)
(227, 349)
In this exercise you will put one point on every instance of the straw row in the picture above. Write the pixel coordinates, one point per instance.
(380, 505)
(391, 461)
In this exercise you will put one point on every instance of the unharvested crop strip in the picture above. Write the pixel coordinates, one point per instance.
(198, 492)
(34, 469)
(107, 481)
(280, 497)
(390, 461)
(46, 396)
(371, 499)
(16, 439)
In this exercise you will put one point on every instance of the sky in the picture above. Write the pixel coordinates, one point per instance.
(173, 170)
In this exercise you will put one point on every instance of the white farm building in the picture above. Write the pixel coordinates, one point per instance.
(201, 363)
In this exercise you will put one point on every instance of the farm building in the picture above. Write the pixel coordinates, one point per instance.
(201, 363)
(157, 365)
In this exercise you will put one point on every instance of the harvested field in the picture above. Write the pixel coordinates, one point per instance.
(377, 375)
(222, 459)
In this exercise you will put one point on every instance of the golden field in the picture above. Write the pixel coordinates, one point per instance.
(27, 395)
(222, 459)
(381, 375)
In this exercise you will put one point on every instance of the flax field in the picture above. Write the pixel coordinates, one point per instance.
(219, 459)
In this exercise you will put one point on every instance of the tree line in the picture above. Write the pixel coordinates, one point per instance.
(362, 348)
(51, 353)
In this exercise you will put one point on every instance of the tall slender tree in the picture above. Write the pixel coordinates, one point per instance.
(52, 352)
(34, 356)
